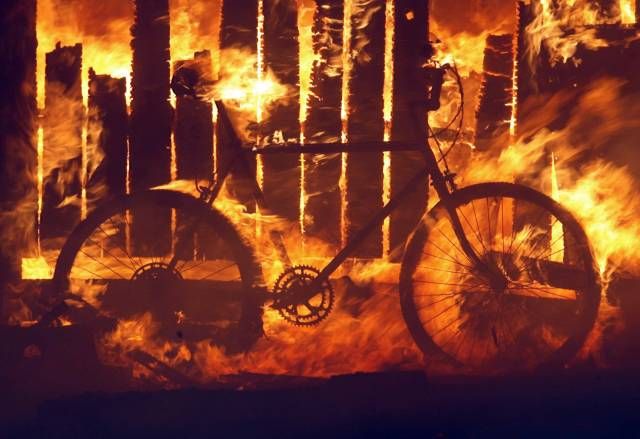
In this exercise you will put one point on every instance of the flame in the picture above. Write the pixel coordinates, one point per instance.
(108, 51)
(387, 109)
(627, 11)
(600, 193)
(552, 22)
(40, 180)
(37, 268)
(364, 334)
(242, 88)
(557, 249)
(307, 57)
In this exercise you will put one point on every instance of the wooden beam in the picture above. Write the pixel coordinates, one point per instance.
(322, 215)
(494, 110)
(281, 175)
(62, 157)
(150, 122)
(107, 137)
(365, 122)
(193, 134)
(18, 194)
(409, 54)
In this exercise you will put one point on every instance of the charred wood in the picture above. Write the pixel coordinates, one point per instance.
(193, 134)
(494, 110)
(365, 122)
(281, 175)
(107, 137)
(409, 84)
(322, 215)
(194, 126)
(18, 197)
(150, 122)
(62, 157)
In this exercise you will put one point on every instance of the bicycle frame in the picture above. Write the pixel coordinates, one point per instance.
(439, 180)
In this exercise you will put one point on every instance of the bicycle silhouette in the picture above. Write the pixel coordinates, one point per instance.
(496, 277)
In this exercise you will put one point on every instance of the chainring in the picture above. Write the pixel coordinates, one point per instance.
(297, 311)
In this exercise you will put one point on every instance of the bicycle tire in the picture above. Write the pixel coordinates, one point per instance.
(577, 259)
(241, 253)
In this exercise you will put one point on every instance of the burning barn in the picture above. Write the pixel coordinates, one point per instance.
(249, 193)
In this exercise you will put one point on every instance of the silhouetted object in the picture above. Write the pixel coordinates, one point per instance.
(409, 115)
(281, 174)
(151, 117)
(322, 215)
(107, 137)
(193, 129)
(62, 157)
(496, 97)
(365, 121)
(18, 196)
(193, 121)
(161, 369)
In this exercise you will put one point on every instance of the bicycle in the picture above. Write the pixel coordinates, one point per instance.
(496, 277)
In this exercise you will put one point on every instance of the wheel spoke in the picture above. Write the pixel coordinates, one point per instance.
(493, 328)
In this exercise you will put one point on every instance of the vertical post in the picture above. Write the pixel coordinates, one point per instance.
(62, 157)
(194, 126)
(239, 29)
(193, 133)
(107, 152)
(150, 142)
(408, 121)
(365, 123)
(321, 218)
(281, 174)
(496, 96)
(17, 135)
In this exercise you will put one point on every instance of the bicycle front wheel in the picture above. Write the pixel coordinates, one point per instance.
(167, 255)
(538, 317)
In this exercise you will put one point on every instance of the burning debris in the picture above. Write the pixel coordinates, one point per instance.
(551, 85)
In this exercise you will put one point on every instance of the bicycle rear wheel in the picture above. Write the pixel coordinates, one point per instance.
(538, 318)
(197, 280)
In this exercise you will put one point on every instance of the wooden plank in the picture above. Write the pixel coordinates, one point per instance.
(62, 157)
(322, 214)
(107, 138)
(193, 135)
(18, 193)
(281, 174)
(365, 122)
(194, 126)
(411, 34)
(494, 110)
(150, 122)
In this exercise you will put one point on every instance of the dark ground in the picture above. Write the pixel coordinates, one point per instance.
(394, 404)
